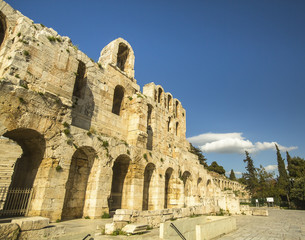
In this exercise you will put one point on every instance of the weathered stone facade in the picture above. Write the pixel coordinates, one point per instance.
(92, 142)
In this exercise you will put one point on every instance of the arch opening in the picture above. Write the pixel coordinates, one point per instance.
(117, 99)
(149, 144)
(119, 191)
(168, 191)
(169, 102)
(26, 167)
(147, 203)
(187, 187)
(76, 186)
(160, 93)
(2, 27)
(177, 129)
(176, 108)
(80, 81)
(122, 56)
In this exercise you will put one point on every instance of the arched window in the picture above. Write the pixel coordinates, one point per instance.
(2, 27)
(117, 99)
(169, 192)
(159, 94)
(120, 186)
(149, 130)
(176, 108)
(169, 101)
(169, 124)
(80, 81)
(177, 128)
(148, 189)
(122, 56)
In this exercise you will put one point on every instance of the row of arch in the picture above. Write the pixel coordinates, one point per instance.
(227, 185)
(162, 98)
(82, 179)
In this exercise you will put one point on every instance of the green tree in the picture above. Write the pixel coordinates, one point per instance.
(296, 167)
(298, 192)
(242, 180)
(266, 184)
(216, 168)
(202, 160)
(232, 175)
(283, 181)
(250, 175)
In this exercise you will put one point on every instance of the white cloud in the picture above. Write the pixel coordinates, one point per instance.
(232, 143)
(270, 168)
(236, 173)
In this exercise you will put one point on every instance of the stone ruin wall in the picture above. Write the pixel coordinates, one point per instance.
(92, 142)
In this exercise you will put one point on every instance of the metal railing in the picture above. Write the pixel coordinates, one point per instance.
(177, 231)
(14, 201)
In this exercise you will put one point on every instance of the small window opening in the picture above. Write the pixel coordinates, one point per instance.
(168, 124)
(177, 128)
(122, 56)
(149, 130)
(159, 95)
(80, 81)
(176, 108)
(169, 101)
(117, 99)
(2, 28)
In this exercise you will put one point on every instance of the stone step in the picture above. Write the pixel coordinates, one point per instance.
(135, 228)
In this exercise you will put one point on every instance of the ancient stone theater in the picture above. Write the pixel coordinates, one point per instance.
(80, 139)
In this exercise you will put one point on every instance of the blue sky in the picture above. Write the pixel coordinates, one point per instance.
(238, 67)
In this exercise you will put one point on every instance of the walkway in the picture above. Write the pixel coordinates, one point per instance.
(280, 224)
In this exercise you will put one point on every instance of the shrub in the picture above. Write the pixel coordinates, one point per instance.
(67, 131)
(58, 168)
(106, 215)
(51, 38)
(26, 53)
(105, 144)
(21, 100)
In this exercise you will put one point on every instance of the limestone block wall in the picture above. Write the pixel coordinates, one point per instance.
(9, 152)
(91, 141)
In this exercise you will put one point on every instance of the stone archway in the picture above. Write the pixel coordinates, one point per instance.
(119, 188)
(33, 148)
(78, 182)
(168, 191)
(21, 153)
(187, 188)
(200, 189)
(148, 186)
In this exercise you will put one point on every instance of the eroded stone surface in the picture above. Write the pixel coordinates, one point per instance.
(31, 223)
(9, 231)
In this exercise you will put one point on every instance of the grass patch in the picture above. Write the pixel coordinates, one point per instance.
(51, 38)
(21, 100)
(26, 53)
(58, 168)
(118, 232)
(105, 215)
(67, 132)
(105, 144)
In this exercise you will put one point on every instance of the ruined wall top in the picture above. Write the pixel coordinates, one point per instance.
(119, 54)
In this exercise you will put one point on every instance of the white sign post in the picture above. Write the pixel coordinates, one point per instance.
(270, 201)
